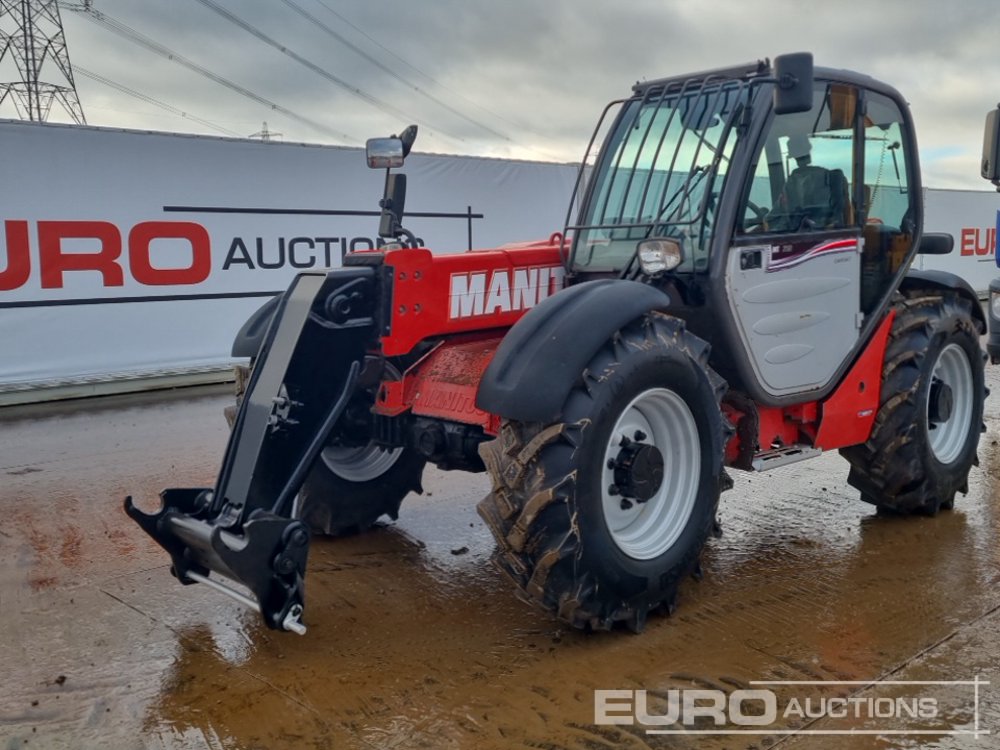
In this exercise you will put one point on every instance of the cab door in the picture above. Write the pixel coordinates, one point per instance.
(793, 272)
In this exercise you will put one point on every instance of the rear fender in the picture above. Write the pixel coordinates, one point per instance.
(544, 353)
(944, 281)
(251, 336)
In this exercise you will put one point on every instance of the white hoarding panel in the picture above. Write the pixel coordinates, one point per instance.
(970, 216)
(130, 252)
(125, 253)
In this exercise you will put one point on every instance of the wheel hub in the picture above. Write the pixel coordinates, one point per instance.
(638, 469)
(941, 402)
(654, 452)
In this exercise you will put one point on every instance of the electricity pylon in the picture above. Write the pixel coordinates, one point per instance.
(32, 37)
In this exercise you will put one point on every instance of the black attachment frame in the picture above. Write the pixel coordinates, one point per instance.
(241, 528)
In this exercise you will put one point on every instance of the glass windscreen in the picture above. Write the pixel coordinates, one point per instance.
(660, 174)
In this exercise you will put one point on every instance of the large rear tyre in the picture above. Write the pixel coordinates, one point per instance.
(350, 486)
(599, 517)
(927, 429)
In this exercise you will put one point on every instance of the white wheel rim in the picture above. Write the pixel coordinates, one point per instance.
(948, 438)
(366, 462)
(361, 464)
(646, 530)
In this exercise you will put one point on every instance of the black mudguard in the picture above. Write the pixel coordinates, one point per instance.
(251, 335)
(944, 281)
(543, 354)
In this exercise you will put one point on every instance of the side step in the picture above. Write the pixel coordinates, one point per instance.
(775, 457)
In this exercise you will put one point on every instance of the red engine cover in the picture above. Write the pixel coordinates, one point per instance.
(437, 295)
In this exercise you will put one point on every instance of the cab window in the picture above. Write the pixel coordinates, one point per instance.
(804, 177)
(888, 228)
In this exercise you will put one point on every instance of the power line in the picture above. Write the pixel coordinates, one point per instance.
(150, 100)
(132, 35)
(354, 90)
(385, 68)
(417, 70)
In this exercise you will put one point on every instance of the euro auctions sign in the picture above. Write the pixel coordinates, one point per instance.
(99, 249)
(918, 709)
(182, 249)
(970, 217)
(125, 253)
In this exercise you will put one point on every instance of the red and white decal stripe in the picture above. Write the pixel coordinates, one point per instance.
(849, 245)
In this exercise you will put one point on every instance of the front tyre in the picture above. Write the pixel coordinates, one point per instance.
(351, 485)
(599, 517)
(924, 439)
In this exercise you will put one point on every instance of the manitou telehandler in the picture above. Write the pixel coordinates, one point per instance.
(736, 292)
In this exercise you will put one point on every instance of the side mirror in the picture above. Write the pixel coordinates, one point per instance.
(793, 90)
(385, 153)
(936, 243)
(392, 206)
(991, 148)
(388, 153)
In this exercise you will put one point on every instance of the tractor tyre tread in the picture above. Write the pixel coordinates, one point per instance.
(894, 469)
(531, 509)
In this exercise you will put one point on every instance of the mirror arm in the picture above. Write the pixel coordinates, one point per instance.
(744, 123)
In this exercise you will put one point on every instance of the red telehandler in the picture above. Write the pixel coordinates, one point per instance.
(735, 292)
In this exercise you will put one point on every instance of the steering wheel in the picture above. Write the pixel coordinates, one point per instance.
(759, 217)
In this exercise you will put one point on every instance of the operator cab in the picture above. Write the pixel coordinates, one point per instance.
(764, 200)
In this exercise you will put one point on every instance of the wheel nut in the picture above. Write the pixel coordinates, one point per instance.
(639, 436)
(626, 503)
(613, 490)
(611, 463)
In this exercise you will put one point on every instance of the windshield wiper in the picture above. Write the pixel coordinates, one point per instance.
(684, 190)
(695, 176)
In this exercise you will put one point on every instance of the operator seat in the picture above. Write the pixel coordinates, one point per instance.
(813, 197)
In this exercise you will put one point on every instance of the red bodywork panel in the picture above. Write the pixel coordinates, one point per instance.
(443, 383)
(440, 295)
(843, 418)
(849, 412)
(470, 299)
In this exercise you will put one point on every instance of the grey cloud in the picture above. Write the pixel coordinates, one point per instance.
(544, 70)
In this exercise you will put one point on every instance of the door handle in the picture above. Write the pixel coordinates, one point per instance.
(750, 259)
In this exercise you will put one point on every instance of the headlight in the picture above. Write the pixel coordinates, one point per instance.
(659, 255)
(995, 304)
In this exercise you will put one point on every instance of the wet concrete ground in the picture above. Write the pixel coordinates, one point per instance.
(413, 646)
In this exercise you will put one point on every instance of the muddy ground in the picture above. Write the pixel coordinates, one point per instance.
(414, 642)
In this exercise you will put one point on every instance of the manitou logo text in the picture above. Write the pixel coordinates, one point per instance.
(503, 291)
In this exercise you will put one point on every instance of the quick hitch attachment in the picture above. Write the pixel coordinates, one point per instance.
(268, 557)
(304, 376)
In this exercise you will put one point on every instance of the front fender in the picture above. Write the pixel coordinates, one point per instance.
(544, 353)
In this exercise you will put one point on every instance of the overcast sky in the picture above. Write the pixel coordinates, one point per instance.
(519, 78)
